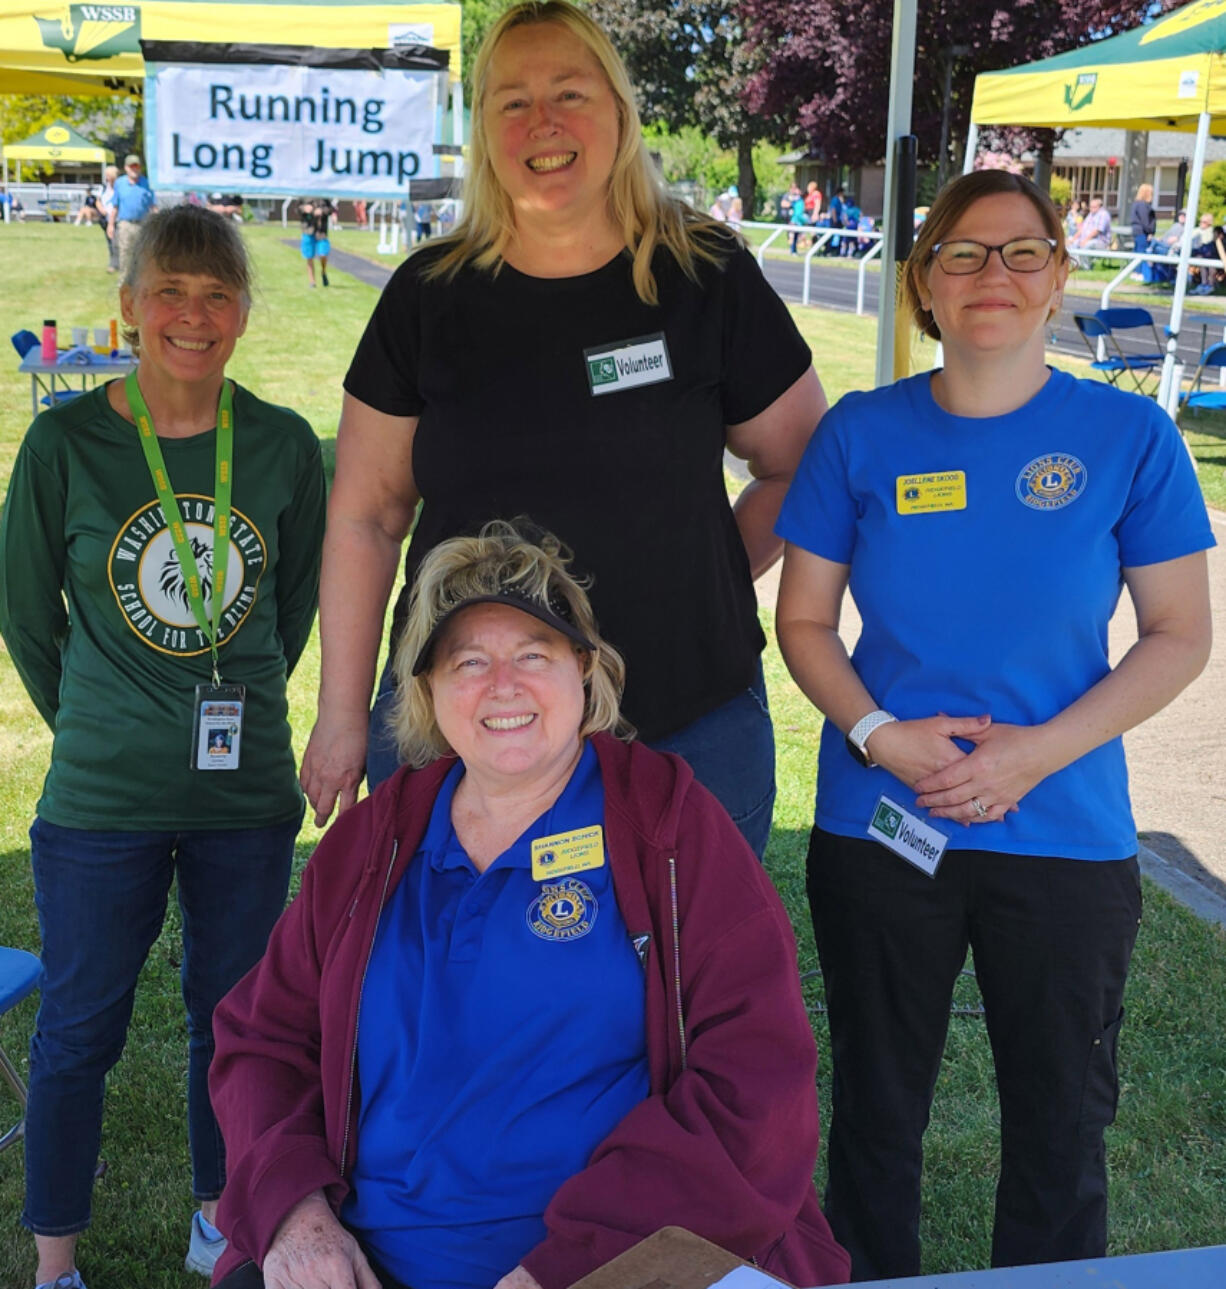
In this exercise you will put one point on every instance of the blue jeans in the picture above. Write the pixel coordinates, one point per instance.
(731, 751)
(101, 899)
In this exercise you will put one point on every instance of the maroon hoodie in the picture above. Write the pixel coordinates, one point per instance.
(726, 1140)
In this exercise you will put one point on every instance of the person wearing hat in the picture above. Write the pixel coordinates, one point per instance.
(536, 998)
(132, 199)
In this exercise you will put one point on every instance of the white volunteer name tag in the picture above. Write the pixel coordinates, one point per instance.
(628, 364)
(908, 836)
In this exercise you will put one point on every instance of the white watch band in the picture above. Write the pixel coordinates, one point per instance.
(859, 732)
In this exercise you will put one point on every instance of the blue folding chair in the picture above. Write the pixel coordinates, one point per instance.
(20, 973)
(1142, 366)
(1213, 359)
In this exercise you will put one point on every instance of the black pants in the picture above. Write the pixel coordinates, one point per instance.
(1052, 939)
(249, 1276)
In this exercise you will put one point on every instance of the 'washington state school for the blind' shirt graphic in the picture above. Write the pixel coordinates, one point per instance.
(151, 589)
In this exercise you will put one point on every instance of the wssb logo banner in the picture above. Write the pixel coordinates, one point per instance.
(286, 120)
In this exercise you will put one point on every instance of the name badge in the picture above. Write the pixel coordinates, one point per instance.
(567, 852)
(908, 836)
(923, 494)
(628, 364)
(217, 726)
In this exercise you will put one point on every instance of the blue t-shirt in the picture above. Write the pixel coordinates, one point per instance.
(1001, 607)
(132, 200)
(502, 1037)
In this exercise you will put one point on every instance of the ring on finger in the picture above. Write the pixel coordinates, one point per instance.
(979, 810)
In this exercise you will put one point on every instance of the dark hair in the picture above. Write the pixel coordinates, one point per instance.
(189, 239)
(952, 202)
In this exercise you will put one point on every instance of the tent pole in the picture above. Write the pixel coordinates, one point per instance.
(972, 146)
(902, 77)
(1168, 388)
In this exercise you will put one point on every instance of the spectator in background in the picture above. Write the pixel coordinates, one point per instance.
(813, 202)
(359, 212)
(316, 215)
(1072, 219)
(1167, 244)
(1144, 220)
(796, 216)
(851, 219)
(423, 217)
(227, 204)
(736, 210)
(88, 212)
(133, 199)
(1094, 234)
(838, 218)
(1208, 243)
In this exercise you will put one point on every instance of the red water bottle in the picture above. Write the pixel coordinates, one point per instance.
(50, 351)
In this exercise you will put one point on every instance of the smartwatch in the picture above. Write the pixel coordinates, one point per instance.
(857, 736)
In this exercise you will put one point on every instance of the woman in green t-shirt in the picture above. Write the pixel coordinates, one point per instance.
(159, 557)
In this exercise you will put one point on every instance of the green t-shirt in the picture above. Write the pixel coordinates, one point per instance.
(94, 612)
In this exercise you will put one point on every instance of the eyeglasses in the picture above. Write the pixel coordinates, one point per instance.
(1022, 255)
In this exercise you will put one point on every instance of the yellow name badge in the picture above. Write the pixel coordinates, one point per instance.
(922, 494)
(568, 852)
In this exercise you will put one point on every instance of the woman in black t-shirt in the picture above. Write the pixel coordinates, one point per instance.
(582, 350)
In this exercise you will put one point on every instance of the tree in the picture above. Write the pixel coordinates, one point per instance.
(689, 64)
(824, 64)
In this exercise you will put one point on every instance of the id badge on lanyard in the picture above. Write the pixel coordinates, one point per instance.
(217, 708)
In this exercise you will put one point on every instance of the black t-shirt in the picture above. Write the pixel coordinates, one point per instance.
(315, 221)
(523, 411)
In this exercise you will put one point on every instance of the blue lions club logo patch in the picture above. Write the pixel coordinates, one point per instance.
(564, 910)
(1051, 481)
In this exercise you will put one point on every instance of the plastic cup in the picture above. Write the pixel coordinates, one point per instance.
(80, 336)
(102, 340)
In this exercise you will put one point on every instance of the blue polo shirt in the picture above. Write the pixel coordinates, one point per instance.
(986, 559)
(132, 200)
(501, 1039)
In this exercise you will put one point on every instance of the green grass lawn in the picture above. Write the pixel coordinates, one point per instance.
(1168, 1151)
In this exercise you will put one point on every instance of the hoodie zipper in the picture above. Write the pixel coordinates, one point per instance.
(353, 1056)
(672, 891)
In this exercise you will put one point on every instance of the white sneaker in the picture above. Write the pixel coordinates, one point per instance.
(202, 1253)
(69, 1280)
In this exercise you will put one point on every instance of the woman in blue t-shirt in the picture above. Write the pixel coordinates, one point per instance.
(985, 516)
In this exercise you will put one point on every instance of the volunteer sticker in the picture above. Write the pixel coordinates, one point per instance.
(628, 364)
(922, 494)
(567, 852)
(1050, 482)
(907, 835)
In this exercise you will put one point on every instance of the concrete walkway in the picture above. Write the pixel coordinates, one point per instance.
(1176, 760)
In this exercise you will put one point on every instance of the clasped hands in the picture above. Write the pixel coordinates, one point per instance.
(1004, 764)
(312, 1250)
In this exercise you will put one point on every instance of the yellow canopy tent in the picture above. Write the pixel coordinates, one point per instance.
(1166, 75)
(63, 48)
(60, 144)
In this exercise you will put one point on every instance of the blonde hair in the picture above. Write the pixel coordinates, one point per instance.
(502, 557)
(952, 202)
(1145, 192)
(644, 214)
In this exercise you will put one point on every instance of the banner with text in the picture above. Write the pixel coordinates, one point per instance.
(291, 120)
